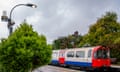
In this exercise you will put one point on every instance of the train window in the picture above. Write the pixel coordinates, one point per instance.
(61, 54)
(98, 54)
(105, 54)
(89, 53)
(101, 54)
(80, 54)
(55, 54)
(70, 54)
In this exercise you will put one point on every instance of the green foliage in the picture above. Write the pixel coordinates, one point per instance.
(103, 30)
(60, 43)
(106, 31)
(70, 41)
(24, 49)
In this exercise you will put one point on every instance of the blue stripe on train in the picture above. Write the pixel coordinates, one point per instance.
(84, 64)
(55, 62)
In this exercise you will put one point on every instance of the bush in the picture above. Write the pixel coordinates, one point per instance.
(23, 50)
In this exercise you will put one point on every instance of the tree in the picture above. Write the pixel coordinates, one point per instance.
(106, 31)
(56, 44)
(24, 50)
(103, 30)
(60, 43)
(70, 41)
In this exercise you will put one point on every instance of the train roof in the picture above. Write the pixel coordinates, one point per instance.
(82, 48)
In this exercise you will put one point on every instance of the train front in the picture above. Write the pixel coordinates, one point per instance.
(101, 57)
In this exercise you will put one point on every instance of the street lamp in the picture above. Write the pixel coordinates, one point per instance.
(9, 20)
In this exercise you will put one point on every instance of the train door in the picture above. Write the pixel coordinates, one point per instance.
(89, 56)
(62, 57)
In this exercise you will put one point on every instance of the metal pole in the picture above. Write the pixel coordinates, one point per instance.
(10, 23)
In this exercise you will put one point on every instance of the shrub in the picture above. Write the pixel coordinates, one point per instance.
(24, 50)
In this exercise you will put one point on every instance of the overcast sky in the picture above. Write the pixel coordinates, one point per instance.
(56, 18)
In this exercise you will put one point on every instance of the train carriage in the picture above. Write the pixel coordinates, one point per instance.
(89, 57)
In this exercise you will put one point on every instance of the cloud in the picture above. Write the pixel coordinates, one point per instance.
(35, 18)
(56, 18)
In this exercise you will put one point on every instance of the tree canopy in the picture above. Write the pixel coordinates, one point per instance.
(106, 31)
(70, 41)
(24, 49)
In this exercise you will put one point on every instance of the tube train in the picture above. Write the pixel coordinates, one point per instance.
(87, 57)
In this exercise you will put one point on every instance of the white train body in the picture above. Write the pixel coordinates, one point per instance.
(82, 57)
